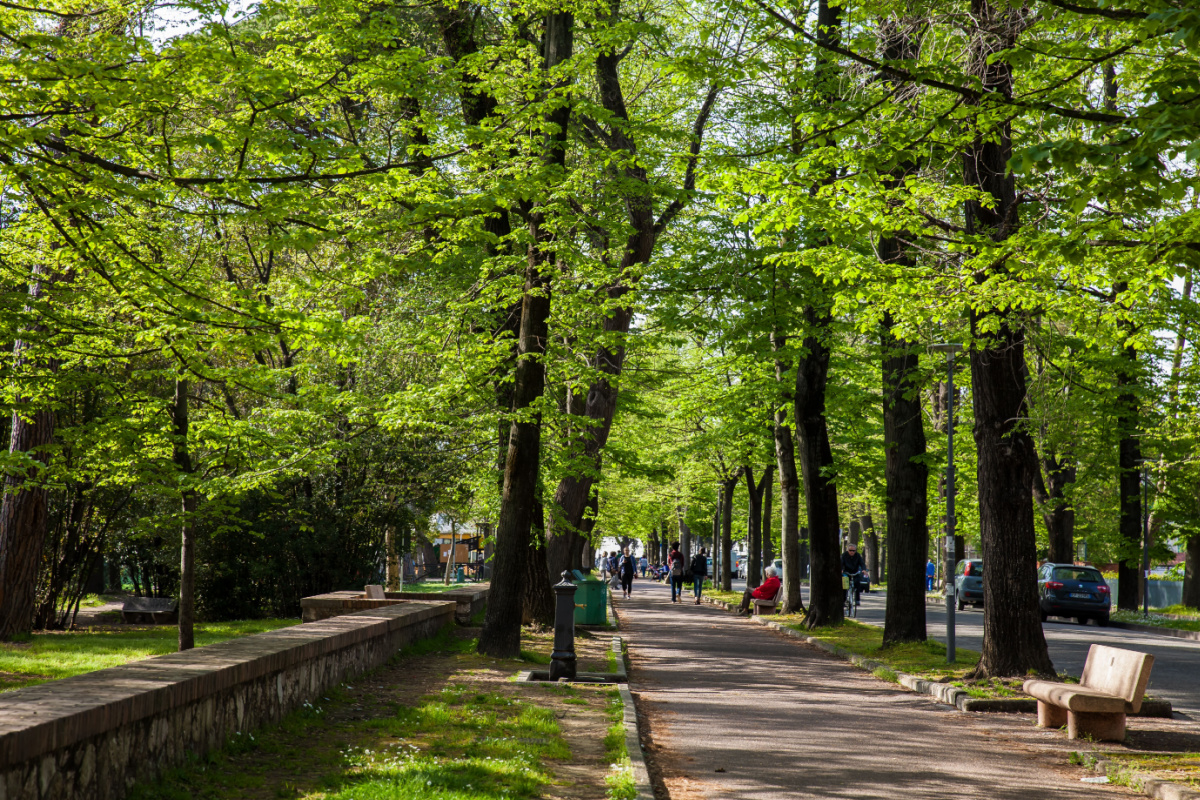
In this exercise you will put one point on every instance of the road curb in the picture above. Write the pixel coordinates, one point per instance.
(1151, 786)
(1161, 631)
(942, 692)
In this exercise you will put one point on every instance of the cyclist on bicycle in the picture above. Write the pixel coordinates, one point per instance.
(854, 565)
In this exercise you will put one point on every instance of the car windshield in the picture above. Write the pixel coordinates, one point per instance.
(1073, 574)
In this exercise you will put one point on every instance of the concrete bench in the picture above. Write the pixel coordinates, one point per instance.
(771, 606)
(1112, 686)
(149, 611)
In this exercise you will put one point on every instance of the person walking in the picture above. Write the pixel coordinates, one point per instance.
(930, 574)
(644, 563)
(625, 571)
(699, 573)
(676, 561)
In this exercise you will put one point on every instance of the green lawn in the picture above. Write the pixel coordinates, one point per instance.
(477, 736)
(436, 586)
(50, 656)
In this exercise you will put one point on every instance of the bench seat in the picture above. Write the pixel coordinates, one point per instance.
(1075, 698)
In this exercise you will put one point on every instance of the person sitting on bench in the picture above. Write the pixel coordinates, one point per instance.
(767, 591)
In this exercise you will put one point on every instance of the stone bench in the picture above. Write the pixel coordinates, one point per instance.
(150, 611)
(471, 600)
(771, 606)
(1113, 683)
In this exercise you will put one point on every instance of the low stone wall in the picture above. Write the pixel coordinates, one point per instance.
(93, 736)
(470, 599)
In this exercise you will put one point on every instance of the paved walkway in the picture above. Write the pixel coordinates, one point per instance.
(739, 712)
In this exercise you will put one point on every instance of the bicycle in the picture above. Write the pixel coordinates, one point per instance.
(849, 586)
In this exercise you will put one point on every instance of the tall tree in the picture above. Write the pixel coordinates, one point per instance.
(501, 634)
(1013, 642)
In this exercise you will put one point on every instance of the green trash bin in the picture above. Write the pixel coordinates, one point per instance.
(592, 595)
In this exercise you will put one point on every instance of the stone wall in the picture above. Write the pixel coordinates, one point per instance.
(470, 599)
(93, 736)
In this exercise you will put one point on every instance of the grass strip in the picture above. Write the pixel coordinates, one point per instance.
(620, 780)
(1132, 768)
(436, 587)
(52, 655)
(1156, 619)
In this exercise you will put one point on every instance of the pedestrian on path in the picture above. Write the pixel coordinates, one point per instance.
(625, 571)
(644, 563)
(699, 573)
(930, 574)
(676, 560)
(767, 591)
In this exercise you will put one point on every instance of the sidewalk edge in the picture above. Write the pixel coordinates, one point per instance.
(633, 746)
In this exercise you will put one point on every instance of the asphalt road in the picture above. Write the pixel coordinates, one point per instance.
(1175, 676)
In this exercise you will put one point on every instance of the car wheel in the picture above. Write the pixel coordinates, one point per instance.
(961, 605)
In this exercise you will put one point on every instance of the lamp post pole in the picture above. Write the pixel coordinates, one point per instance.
(1145, 543)
(950, 349)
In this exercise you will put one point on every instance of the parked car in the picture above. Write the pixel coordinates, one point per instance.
(1065, 590)
(968, 583)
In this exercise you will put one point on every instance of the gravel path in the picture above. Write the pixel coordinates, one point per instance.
(736, 711)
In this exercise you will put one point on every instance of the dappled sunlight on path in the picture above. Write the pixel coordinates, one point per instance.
(739, 712)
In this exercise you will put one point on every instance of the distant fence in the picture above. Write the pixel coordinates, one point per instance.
(1160, 593)
(91, 737)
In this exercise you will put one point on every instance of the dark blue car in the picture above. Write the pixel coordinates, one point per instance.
(1065, 590)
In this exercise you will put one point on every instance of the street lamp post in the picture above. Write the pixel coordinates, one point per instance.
(950, 349)
(1145, 542)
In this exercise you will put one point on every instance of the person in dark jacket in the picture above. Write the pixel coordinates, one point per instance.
(625, 571)
(699, 573)
(677, 563)
(854, 565)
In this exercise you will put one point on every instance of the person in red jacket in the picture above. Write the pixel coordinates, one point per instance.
(766, 591)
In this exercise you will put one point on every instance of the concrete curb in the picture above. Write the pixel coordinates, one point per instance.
(1161, 631)
(942, 692)
(1153, 787)
(633, 746)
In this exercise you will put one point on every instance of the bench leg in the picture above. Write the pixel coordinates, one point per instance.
(1050, 715)
(1101, 727)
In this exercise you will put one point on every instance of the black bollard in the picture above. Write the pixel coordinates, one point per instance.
(562, 660)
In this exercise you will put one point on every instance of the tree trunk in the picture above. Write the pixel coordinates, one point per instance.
(871, 539)
(768, 550)
(789, 483)
(501, 634)
(755, 526)
(907, 480)
(187, 557)
(537, 600)
(1191, 574)
(728, 487)
(1013, 643)
(1129, 457)
(1058, 515)
(685, 534)
(23, 511)
(816, 465)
